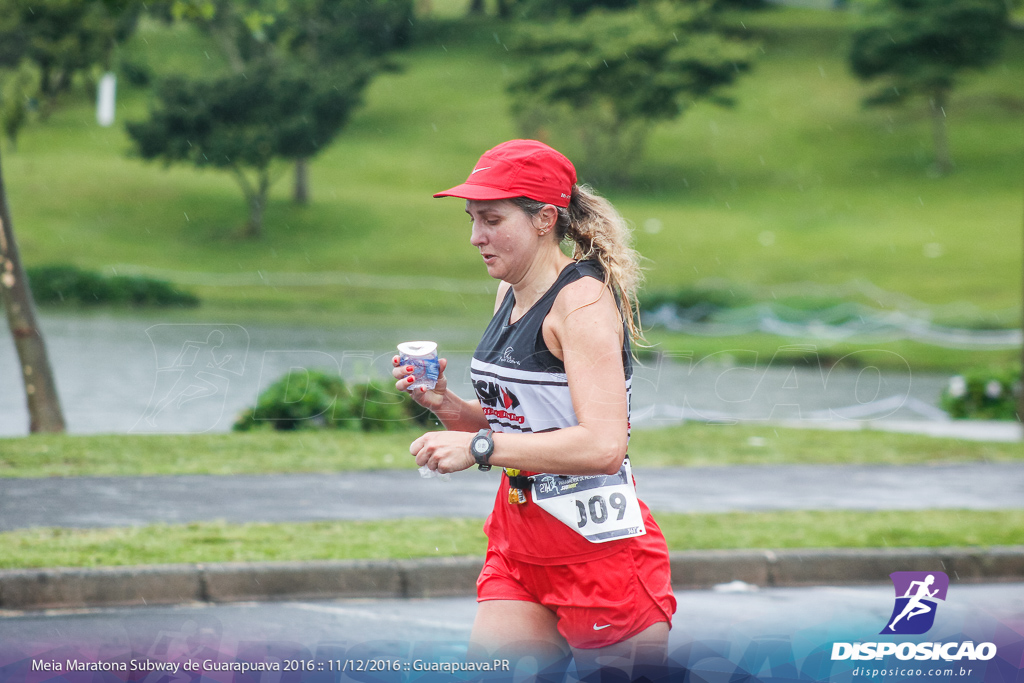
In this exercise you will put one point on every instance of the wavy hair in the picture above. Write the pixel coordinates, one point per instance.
(599, 232)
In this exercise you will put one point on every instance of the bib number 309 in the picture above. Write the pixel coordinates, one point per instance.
(600, 508)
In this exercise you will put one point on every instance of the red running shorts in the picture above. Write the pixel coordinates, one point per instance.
(597, 603)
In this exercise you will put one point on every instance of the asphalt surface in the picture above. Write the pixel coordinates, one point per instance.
(127, 501)
(704, 615)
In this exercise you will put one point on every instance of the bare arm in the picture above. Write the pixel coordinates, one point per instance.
(585, 329)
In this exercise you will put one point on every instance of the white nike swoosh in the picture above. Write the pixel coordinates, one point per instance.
(477, 170)
(598, 628)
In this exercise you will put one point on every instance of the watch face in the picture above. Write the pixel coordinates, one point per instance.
(479, 445)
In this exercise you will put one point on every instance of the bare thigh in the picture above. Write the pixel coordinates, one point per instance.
(516, 628)
(513, 629)
(647, 649)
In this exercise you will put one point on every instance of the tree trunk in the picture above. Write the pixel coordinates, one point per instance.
(301, 195)
(40, 389)
(257, 203)
(476, 7)
(254, 226)
(943, 161)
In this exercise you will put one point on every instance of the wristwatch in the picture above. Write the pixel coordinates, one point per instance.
(481, 447)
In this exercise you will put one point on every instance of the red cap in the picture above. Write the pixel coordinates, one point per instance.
(519, 168)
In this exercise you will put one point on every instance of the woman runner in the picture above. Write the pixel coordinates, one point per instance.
(574, 560)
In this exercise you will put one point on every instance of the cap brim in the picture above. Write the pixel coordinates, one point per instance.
(477, 192)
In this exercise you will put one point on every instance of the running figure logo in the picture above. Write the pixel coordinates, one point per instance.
(195, 366)
(916, 596)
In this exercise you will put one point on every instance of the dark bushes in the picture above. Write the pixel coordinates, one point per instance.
(312, 399)
(67, 284)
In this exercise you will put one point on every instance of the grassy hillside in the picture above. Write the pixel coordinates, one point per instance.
(845, 191)
(835, 191)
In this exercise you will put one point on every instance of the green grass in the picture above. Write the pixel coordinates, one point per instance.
(842, 529)
(220, 542)
(700, 445)
(252, 453)
(396, 539)
(268, 452)
(844, 190)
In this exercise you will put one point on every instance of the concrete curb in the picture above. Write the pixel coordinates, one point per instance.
(34, 589)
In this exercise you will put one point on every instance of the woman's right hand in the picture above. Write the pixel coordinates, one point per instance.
(431, 399)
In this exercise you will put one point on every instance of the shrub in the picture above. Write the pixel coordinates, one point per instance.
(320, 400)
(382, 408)
(136, 73)
(67, 284)
(294, 403)
(983, 394)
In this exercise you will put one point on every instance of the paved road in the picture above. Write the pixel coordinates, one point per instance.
(708, 621)
(125, 501)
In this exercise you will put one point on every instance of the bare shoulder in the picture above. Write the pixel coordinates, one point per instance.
(587, 295)
(583, 316)
(503, 288)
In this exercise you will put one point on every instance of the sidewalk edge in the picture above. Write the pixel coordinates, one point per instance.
(67, 588)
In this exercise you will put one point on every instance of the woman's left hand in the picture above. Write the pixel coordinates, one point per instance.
(444, 452)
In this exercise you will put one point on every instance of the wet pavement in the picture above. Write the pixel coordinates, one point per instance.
(821, 613)
(128, 501)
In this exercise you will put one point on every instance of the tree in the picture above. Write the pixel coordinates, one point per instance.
(920, 47)
(40, 389)
(335, 33)
(548, 9)
(608, 78)
(535, 9)
(338, 30)
(318, 34)
(63, 38)
(575, 8)
(241, 123)
(18, 92)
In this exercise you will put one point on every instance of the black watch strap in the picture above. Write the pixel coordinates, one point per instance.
(481, 447)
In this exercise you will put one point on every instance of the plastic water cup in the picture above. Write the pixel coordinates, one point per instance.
(422, 356)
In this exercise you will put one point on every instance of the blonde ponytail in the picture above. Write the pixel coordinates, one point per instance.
(599, 232)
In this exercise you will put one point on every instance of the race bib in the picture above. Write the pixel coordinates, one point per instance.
(600, 508)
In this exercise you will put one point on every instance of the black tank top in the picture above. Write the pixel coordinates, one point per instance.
(523, 388)
(521, 385)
